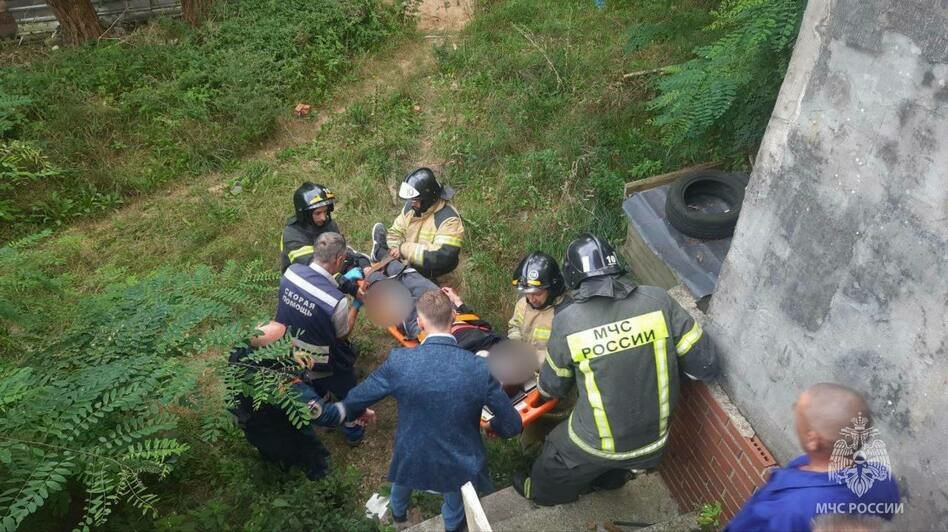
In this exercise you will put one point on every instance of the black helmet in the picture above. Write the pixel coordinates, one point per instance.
(310, 197)
(538, 271)
(422, 185)
(589, 256)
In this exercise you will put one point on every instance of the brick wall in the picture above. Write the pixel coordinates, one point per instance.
(707, 458)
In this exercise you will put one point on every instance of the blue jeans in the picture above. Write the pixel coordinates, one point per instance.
(452, 510)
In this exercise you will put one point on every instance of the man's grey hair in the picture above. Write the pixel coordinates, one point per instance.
(329, 246)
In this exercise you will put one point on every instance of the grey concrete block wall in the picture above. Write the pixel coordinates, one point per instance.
(839, 266)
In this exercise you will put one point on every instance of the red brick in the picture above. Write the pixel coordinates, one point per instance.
(739, 476)
(732, 504)
(760, 452)
(698, 488)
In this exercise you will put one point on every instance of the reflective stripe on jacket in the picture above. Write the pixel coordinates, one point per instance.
(624, 353)
(531, 325)
(430, 242)
(296, 246)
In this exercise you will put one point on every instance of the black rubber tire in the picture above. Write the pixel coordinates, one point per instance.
(728, 187)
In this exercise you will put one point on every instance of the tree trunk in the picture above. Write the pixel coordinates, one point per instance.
(78, 22)
(195, 11)
(7, 22)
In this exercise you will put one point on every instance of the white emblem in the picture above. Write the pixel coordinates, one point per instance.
(859, 458)
(611, 260)
(533, 275)
(407, 192)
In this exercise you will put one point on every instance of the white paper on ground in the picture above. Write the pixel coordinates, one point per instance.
(376, 506)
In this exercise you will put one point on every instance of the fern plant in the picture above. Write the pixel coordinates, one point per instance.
(729, 88)
(94, 411)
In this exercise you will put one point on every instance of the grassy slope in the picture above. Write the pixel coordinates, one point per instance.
(538, 152)
(125, 117)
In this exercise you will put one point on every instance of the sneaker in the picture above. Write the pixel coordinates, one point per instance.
(401, 522)
(354, 432)
(521, 484)
(379, 242)
(460, 528)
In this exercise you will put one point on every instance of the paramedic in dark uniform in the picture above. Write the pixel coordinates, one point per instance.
(319, 317)
(623, 346)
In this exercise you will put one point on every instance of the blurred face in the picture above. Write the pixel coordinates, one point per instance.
(537, 299)
(416, 204)
(321, 216)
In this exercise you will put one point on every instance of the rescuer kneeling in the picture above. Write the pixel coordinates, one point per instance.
(623, 346)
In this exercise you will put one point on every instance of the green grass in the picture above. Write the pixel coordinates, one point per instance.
(121, 118)
(538, 152)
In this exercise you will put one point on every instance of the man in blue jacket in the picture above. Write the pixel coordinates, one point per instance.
(440, 390)
(845, 469)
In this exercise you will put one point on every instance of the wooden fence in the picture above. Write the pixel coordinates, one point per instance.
(34, 19)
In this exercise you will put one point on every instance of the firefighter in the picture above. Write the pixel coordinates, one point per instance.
(428, 233)
(538, 278)
(622, 346)
(314, 205)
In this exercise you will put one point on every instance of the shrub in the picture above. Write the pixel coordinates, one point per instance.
(92, 412)
(728, 90)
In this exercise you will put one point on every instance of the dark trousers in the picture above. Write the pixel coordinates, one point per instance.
(270, 431)
(338, 384)
(559, 476)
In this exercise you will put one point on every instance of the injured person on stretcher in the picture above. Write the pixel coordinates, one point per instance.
(390, 290)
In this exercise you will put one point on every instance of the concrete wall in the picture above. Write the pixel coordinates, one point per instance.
(837, 271)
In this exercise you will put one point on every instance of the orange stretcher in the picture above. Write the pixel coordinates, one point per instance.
(528, 402)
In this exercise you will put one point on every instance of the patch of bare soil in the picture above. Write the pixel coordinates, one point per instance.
(444, 15)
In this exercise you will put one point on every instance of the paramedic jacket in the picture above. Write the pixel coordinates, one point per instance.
(314, 312)
(296, 246)
(623, 346)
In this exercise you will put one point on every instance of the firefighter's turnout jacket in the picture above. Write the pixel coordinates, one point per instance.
(431, 243)
(296, 246)
(623, 346)
(531, 325)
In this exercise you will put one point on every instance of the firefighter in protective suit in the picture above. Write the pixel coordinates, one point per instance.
(313, 205)
(428, 233)
(538, 278)
(623, 346)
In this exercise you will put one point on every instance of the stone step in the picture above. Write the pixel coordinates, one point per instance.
(644, 499)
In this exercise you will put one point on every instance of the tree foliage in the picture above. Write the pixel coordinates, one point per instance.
(728, 90)
(94, 409)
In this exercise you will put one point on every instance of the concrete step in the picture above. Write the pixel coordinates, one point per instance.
(644, 499)
(499, 506)
(682, 523)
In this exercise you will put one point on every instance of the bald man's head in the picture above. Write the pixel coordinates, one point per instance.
(822, 411)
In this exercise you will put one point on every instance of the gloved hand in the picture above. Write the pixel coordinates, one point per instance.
(357, 304)
(354, 274)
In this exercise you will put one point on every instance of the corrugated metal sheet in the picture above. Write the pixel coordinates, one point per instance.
(695, 262)
(35, 18)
